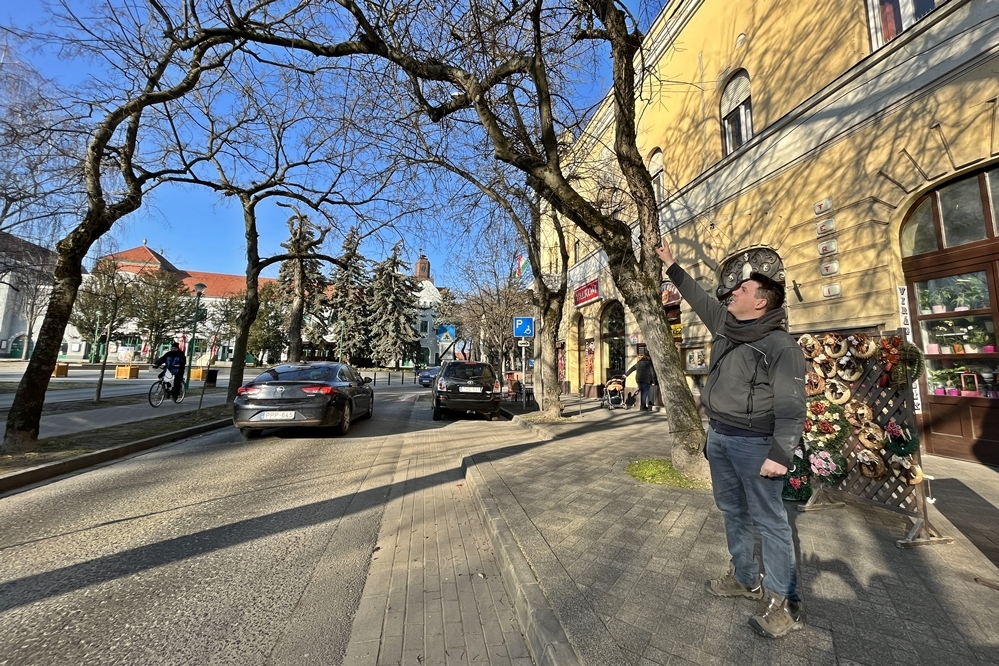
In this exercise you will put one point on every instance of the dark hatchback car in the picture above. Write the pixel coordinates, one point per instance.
(466, 386)
(303, 394)
(426, 376)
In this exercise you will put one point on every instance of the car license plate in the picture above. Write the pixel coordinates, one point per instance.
(278, 416)
(469, 389)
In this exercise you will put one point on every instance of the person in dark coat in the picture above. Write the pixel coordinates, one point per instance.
(173, 361)
(645, 375)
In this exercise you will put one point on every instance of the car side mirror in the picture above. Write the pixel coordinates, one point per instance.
(367, 380)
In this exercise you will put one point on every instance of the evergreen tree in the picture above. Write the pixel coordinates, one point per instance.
(394, 307)
(348, 302)
(105, 291)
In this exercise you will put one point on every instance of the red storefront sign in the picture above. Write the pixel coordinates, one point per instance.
(588, 293)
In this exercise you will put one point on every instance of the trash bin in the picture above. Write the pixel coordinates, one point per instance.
(213, 376)
(61, 370)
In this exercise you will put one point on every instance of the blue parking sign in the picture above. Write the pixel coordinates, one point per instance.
(523, 327)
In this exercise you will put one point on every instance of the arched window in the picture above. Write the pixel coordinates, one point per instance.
(736, 113)
(656, 169)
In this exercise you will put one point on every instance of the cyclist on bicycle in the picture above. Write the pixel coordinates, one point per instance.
(173, 362)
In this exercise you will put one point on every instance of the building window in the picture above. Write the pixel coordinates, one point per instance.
(658, 181)
(736, 113)
(424, 326)
(576, 247)
(890, 17)
(956, 214)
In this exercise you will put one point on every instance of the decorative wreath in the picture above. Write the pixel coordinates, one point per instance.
(824, 366)
(871, 437)
(837, 392)
(835, 345)
(797, 482)
(908, 468)
(857, 413)
(825, 426)
(809, 346)
(850, 369)
(903, 361)
(863, 345)
(899, 440)
(828, 465)
(871, 464)
(915, 475)
(814, 384)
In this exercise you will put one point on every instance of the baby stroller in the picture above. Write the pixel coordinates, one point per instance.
(613, 392)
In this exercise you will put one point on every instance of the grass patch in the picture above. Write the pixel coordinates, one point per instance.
(543, 417)
(54, 449)
(661, 471)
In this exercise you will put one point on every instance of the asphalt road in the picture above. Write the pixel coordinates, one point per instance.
(207, 551)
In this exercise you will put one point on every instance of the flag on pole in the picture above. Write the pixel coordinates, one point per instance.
(522, 264)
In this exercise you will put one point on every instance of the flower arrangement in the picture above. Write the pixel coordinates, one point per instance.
(825, 425)
(900, 441)
(797, 482)
(828, 465)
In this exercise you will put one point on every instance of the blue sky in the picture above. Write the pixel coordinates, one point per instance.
(194, 228)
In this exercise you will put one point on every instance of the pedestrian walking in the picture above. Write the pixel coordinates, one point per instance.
(754, 397)
(645, 375)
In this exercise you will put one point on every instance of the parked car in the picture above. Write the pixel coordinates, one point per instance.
(463, 386)
(426, 376)
(303, 394)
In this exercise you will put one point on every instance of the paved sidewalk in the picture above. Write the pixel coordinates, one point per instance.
(622, 563)
(57, 425)
(434, 594)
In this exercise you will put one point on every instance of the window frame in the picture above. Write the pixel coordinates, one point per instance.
(739, 117)
(907, 12)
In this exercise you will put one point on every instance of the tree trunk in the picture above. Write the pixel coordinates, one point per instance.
(25, 413)
(297, 310)
(251, 304)
(551, 388)
(26, 351)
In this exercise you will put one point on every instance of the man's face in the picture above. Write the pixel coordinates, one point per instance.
(744, 303)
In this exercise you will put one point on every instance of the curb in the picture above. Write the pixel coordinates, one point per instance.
(546, 639)
(43, 472)
(539, 431)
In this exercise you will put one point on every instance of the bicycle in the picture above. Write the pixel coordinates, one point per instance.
(161, 389)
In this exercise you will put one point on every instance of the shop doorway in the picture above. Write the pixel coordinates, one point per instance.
(612, 339)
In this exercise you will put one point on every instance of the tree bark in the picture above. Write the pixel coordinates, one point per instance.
(251, 304)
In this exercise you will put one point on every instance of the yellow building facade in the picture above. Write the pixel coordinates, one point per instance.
(850, 150)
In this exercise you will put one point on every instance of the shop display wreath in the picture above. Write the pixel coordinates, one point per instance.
(797, 482)
(903, 361)
(827, 465)
(825, 425)
(899, 440)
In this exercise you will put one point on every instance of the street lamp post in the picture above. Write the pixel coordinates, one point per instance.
(199, 289)
(97, 332)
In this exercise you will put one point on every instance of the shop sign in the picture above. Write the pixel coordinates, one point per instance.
(903, 309)
(677, 330)
(671, 295)
(588, 293)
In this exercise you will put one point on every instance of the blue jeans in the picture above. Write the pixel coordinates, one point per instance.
(747, 499)
(645, 400)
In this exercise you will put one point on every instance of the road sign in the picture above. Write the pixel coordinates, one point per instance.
(523, 327)
(523, 343)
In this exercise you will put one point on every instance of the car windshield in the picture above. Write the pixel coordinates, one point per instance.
(469, 371)
(298, 373)
(430, 371)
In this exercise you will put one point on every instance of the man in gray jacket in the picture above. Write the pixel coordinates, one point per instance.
(754, 397)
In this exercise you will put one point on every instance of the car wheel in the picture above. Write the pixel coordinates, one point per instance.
(249, 433)
(438, 413)
(344, 424)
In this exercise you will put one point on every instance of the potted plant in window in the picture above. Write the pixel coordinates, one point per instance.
(982, 340)
(938, 380)
(925, 301)
(938, 300)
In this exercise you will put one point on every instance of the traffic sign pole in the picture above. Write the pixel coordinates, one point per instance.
(523, 366)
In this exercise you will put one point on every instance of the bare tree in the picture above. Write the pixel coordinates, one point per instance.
(153, 57)
(462, 61)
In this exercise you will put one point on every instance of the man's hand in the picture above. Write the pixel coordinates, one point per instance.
(772, 470)
(665, 253)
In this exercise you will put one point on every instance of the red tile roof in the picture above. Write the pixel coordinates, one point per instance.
(219, 285)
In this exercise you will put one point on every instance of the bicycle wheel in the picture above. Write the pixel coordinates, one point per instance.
(182, 393)
(156, 394)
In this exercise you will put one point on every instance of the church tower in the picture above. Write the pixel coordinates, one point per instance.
(423, 269)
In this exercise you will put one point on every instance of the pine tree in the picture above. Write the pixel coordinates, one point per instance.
(302, 282)
(394, 307)
(348, 302)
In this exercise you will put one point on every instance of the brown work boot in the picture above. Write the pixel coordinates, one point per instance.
(728, 586)
(781, 616)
